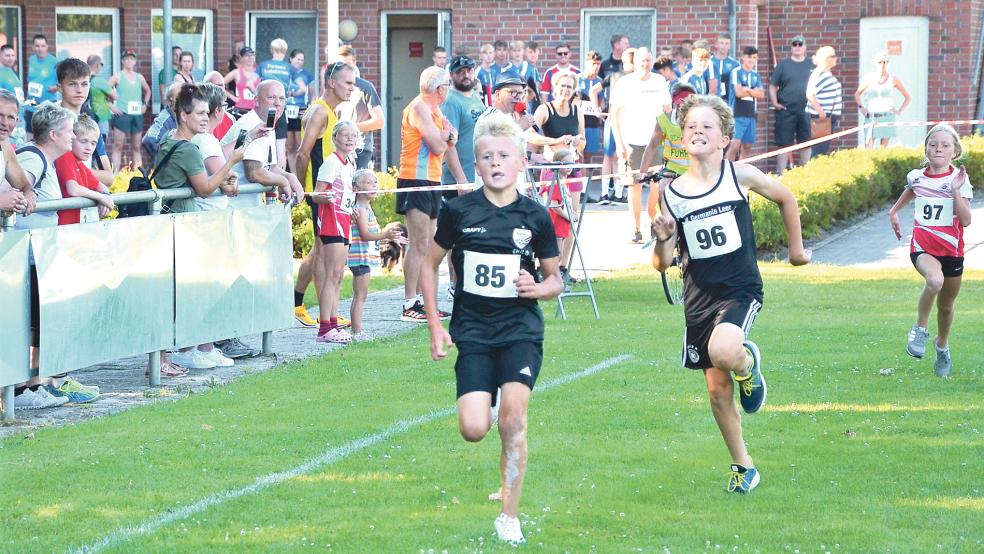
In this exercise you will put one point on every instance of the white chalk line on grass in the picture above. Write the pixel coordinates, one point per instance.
(329, 457)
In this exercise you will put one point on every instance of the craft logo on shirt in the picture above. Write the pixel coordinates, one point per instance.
(692, 354)
(522, 237)
(473, 230)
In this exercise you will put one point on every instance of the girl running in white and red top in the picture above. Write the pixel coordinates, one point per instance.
(334, 228)
(942, 193)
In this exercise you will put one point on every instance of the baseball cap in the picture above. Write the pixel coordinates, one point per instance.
(129, 53)
(508, 78)
(799, 38)
(246, 50)
(459, 62)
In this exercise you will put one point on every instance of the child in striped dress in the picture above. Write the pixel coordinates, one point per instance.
(364, 249)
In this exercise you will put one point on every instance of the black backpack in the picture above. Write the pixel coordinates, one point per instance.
(141, 183)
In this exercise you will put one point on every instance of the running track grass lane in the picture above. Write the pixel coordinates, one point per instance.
(329, 457)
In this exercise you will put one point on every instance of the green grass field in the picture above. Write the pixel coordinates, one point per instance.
(625, 459)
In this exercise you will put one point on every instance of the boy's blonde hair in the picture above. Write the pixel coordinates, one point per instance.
(278, 46)
(361, 177)
(948, 129)
(85, 124)
(725, 118)
(500, 125)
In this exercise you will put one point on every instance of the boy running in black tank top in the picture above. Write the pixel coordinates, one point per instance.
(706, 210)
(494, 234)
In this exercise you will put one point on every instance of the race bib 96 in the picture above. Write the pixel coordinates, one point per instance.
(490, 275)
(713, 236)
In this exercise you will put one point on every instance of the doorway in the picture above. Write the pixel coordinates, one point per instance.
(906, 39)
(408, 40)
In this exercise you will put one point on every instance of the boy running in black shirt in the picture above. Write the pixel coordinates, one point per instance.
(494, 234)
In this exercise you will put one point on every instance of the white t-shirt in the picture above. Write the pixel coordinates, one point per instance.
(642, 102)
(263, 150)
(45, 189)
(209, 146)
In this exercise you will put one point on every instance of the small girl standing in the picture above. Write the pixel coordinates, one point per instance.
(942, 194)
(364, 251)
(334, 215)
(561, 220)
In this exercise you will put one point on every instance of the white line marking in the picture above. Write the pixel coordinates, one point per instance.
(329, 457)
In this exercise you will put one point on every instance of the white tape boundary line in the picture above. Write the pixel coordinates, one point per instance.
(329, 457)
(751, 159)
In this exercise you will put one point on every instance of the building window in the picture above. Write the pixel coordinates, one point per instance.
(191, 30)
(299, 29)
(82, 32)
(598, 26)
(10, 32)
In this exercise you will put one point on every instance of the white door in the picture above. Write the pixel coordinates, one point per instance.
(906, 39)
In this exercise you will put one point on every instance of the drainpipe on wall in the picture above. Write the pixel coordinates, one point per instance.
(166, 55)
(979, 129)
(733, 26)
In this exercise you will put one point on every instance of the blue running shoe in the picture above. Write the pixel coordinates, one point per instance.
(751, 388)
(742, 479)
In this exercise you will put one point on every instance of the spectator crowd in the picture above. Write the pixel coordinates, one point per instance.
(71, 130)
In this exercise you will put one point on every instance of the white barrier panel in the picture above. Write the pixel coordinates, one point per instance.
(107, 291)
(234, 273)
(15, 307)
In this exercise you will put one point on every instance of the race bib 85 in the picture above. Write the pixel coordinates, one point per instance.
(712, 236)
(934, 212)
(490, 275)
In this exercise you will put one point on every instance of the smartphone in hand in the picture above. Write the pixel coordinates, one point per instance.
(271, 118)
(241, 139)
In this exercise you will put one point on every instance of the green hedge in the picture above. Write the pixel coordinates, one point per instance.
(847, 183)
(384, 206)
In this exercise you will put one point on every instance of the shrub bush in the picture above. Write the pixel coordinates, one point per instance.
(834, 188)
(384, 206)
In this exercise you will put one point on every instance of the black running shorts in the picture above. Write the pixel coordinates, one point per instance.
(952, 266)
(428, 202)
(737, 312)
(486, 368)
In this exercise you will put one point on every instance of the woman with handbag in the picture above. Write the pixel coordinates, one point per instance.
(824, 98)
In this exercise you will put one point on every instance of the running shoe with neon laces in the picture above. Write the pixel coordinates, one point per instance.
(742, 479)
(335, 336)
(509, 530)
(30, 400)
(76, 392)
(943, 362)
(751, 388)
(415, 313)
(302, 316)
(916, 345)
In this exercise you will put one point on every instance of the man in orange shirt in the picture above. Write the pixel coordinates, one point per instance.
(427, 134)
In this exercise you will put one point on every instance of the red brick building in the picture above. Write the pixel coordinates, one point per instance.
(936, 45)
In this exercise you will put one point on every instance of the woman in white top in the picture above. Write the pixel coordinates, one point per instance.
(211, 149)
(877, 103)
(824, 94)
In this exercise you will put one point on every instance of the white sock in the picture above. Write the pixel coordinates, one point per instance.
(409, 302)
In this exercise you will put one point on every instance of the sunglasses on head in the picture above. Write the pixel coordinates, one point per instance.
(335, 67)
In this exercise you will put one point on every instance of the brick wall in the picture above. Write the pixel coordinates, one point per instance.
(953, 26)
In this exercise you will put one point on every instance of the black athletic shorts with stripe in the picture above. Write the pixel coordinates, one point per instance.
(737, 312)
(482, 367)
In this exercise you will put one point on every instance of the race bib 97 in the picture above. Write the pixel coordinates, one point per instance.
(934, 212)
(712, 236)
(490, 275)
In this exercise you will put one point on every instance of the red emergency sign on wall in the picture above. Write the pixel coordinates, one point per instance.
(894, 47)
(416, 50)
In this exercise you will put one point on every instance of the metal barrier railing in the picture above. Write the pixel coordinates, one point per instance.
(234, 262)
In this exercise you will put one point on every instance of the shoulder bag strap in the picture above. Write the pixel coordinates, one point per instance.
(167, 157)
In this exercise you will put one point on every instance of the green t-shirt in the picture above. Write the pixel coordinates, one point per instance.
(674, 153)
(185, 162)
(98, 90)
(12, 82)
